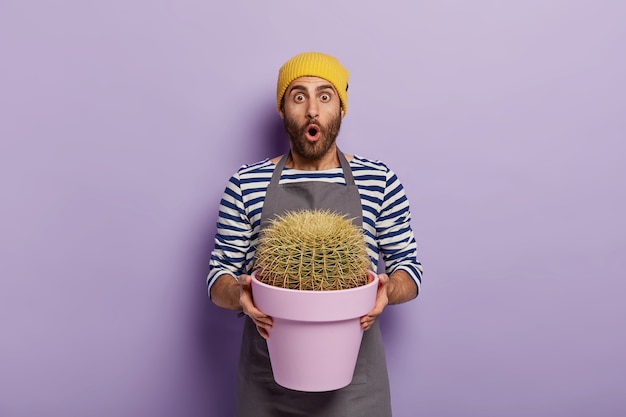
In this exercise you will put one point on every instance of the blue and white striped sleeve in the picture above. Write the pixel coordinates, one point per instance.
(232, 237)
(395, 235)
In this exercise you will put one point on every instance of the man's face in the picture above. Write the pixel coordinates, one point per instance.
(312, 116)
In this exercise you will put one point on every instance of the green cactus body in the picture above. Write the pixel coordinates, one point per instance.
(315, 250)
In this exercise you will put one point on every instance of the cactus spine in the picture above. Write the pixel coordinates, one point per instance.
(313, 250)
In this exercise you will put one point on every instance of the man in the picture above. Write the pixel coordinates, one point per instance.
(312, 99)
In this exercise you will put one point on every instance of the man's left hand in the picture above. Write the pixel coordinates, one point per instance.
(382, 300)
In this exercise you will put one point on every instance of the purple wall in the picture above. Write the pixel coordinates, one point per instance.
(121, 121)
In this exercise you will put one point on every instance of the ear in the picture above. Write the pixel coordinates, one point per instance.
(282, 114)
(342, 113)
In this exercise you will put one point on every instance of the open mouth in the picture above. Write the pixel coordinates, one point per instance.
(312, 132)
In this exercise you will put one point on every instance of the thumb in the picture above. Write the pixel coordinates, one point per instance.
(383, 279)
(245, 279)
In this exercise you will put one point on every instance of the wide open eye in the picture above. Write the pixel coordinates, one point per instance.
(325, 97)
(298, 98)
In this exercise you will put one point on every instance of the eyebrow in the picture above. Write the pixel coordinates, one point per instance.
(319, 88)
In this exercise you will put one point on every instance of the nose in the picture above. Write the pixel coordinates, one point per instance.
(313, 110)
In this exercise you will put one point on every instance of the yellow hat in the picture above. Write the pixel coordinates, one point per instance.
(314, 64)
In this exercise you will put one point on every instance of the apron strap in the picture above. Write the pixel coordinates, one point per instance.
(345, 166)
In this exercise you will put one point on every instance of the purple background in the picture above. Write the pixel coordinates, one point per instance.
(121, 121)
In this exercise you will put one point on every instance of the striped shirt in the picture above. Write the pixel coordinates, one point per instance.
(386, 216)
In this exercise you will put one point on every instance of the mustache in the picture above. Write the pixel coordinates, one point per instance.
(312, 122)
(305, 126)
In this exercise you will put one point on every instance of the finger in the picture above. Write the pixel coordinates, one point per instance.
(258, 316)
(265, 321)
(263, 325)
(366, 323)
(263, 332)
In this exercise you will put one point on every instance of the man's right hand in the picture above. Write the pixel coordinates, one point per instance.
(262, 321)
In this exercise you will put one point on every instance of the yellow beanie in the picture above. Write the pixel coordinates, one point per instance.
(314, 64)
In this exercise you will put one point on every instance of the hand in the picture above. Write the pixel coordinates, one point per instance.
(262, 321)
(382, 300)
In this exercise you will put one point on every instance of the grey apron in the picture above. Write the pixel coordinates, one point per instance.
(257, 393)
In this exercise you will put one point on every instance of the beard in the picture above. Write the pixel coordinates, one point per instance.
(312, 150)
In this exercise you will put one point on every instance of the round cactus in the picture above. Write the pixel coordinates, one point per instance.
(314, 250)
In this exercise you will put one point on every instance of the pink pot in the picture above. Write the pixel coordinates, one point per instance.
(316, 336)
